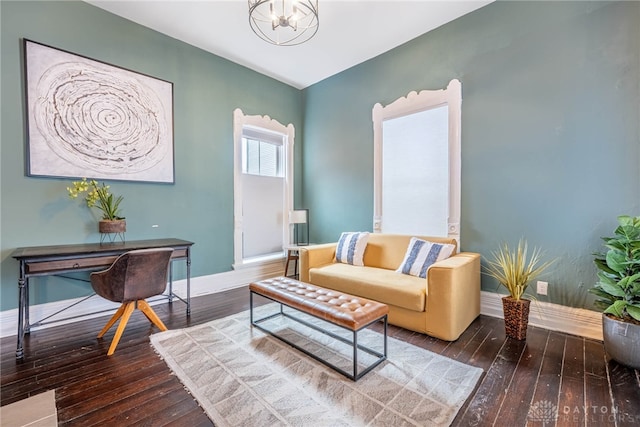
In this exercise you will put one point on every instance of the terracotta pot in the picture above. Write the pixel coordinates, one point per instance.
(112, 226)
(516, 317)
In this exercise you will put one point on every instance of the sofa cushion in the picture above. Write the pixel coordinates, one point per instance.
(388, 250)
(421, 254)
(350, 248)
(378, 284)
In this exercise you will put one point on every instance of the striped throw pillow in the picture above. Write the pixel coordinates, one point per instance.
(421, 254)
(351, 246)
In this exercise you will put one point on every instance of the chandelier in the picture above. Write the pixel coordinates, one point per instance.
(284, 22)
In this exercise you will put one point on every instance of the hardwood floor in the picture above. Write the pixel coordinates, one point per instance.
(135, 387)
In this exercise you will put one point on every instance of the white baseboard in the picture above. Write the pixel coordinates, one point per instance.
(576, 321)
(96, 306)
(554, 317)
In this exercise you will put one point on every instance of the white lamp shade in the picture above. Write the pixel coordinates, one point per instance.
(298, 217)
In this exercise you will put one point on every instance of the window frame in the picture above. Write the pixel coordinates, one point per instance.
(263, 125)
(413, 102)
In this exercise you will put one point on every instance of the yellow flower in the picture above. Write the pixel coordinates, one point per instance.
(97, 196)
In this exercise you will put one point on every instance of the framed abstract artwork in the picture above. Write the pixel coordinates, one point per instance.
(86, 118)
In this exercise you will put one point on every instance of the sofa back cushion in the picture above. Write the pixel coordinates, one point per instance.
(388, 250)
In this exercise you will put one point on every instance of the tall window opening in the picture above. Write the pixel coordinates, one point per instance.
(417, 163)
(263, 190)
(263, 205)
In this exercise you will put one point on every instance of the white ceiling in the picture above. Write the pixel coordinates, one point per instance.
(350, 31)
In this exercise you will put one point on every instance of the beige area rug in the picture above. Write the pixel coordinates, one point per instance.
(244, 377)
(35, 411)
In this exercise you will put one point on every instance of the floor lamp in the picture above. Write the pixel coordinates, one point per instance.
(300, 218)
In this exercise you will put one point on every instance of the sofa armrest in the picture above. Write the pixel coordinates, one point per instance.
(315, 256)
(453, 293)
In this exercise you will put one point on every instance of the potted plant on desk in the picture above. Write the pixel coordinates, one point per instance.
(513, 271)
(618, 292)
(99, 196)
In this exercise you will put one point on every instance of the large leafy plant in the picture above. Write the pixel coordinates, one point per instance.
(618, 289)
(98, 196)
(513, 269)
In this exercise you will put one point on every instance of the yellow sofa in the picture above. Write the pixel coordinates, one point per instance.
(442, 305)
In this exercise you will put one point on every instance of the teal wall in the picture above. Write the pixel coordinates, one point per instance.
(550, 133)
(550, 130)
(207, 88)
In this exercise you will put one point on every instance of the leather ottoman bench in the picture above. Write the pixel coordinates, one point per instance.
(343, 310)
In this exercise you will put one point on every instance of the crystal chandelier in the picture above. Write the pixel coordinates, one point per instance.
(284, 22)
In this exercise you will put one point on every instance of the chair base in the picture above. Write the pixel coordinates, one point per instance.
(124, 313)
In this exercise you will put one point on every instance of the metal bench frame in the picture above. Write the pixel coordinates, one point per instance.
(355, 375)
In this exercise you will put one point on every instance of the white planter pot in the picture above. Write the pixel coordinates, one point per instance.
(622, 341)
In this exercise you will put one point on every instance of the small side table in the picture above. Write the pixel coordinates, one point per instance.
(293, 254)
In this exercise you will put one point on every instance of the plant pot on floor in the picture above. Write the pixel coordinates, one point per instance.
(621, 341)
(516, 317)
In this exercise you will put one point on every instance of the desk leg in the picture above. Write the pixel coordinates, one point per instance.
(22, 289)
(27, 321)
(188, 281)
(170, 282)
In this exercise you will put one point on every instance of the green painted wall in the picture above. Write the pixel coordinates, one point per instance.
(550, 129)
(207, 88)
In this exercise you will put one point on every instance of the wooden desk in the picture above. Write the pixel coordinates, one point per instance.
(52, 260)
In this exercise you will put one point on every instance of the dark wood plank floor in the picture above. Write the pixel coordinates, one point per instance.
(551, 372)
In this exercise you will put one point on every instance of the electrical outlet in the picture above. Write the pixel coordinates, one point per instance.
(542, 288)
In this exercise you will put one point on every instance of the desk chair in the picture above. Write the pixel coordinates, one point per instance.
(133, 276)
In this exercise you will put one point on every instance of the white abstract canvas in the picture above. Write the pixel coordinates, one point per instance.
(90, 119)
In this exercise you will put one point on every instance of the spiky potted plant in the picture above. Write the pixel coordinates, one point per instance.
(514, 271)
(618, 291)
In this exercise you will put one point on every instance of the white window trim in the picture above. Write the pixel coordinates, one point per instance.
(261, 123)
(412, 103)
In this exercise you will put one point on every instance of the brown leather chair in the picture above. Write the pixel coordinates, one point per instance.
(133, 276)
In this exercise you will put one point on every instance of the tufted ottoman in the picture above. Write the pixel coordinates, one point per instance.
(346, 311)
